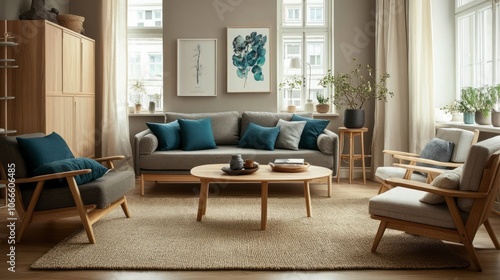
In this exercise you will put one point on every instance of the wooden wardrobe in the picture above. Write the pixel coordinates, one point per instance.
(54, 85)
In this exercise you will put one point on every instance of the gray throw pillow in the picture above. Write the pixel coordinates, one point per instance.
(447, 180)
(290, 133)
(437, 149)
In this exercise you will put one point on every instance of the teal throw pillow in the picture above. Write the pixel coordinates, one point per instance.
(71, 164)
(38, 151)
(168, 134)
(312, 129)
(197, 134)
(259, 137)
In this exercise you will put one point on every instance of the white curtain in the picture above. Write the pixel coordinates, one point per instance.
(404, 50)
(391, 118)
(420, 74)
(115, 127)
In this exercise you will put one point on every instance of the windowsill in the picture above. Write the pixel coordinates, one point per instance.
(485, 128)
(315, 114)
(146, 114)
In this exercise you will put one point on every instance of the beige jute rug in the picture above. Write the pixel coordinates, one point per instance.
(163, 234)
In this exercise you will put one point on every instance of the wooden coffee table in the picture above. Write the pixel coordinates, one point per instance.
(213, 173)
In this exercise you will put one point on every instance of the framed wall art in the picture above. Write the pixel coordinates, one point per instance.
(248, 59)
(196, 67)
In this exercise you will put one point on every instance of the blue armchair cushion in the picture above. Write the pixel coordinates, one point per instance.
(71, 164)
(38, 151)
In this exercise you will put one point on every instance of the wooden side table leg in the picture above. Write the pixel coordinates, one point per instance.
(202, 205)
(351, 156)
(329, 178)
(341, 150)
(363, 156)
(307, 195)
(263, 214)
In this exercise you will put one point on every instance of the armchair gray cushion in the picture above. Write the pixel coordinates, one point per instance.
(462, 140)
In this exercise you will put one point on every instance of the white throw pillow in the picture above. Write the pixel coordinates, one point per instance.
(447, 180)
(290, 132)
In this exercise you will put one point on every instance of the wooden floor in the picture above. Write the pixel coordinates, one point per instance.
(43, 236)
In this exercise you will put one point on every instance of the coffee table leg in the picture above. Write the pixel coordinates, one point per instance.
(329, 178)
(202, 206)
(307, 195)
(263, 215)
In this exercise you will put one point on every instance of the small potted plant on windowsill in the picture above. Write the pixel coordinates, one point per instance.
(155, 98)
(323, 105)
(292, 83)
(139, 91)
(454, 110)
(354, 89)
(468, 104)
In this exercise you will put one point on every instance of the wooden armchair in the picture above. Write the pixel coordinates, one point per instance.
(35, 200)
(459, 217)
(412, 166)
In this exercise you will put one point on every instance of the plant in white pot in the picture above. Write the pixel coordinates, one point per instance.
(354, 89)
(291, 83)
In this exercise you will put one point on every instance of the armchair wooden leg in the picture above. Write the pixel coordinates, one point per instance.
(124, 206)
(29, 213)
(491, 233)
(472, 253)
(81, 209)
(378, 236)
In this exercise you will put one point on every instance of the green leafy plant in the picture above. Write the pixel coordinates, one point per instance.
(139, 89)
(292, 83)
(322, 99)
(354, 89)
(468, 100)
(155, 97)
(452, 108)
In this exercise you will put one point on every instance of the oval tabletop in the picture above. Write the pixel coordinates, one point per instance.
(265, 173)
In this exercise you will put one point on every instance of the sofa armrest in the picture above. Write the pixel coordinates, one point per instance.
(145, 143)
(328, 143)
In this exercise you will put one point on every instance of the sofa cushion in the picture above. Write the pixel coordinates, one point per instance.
(225, 125)
(312, 129)
(266, 119)
(289, 136)
(473, 168)
(168, 134)
(259, 137)
(196, 134)
(175, 161)
(38, 151)
(72, 164)
(437, 149)
(447, 180)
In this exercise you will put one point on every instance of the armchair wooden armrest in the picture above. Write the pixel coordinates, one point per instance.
(59, 175)
(432, 172)
(428, 161)
(393, 152)
(108, 161)
(397, 182)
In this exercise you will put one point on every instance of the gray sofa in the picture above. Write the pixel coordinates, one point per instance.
(151, 164)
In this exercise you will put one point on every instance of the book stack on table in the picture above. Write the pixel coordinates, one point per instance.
(289, 161)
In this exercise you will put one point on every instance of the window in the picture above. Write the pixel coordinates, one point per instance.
(308, 40)
(145, 51)
(478, 37)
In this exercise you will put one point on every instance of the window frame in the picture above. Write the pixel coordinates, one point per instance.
(154, 84)
(304, 32)
(474, 9)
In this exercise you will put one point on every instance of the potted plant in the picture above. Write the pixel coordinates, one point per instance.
(139, 90)
(323, 105)
(485, 103)
(152, 103)
(327, 83)
(454, 110)
(354, 89)
(495, 112)
(292, 83)
(468, 104)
